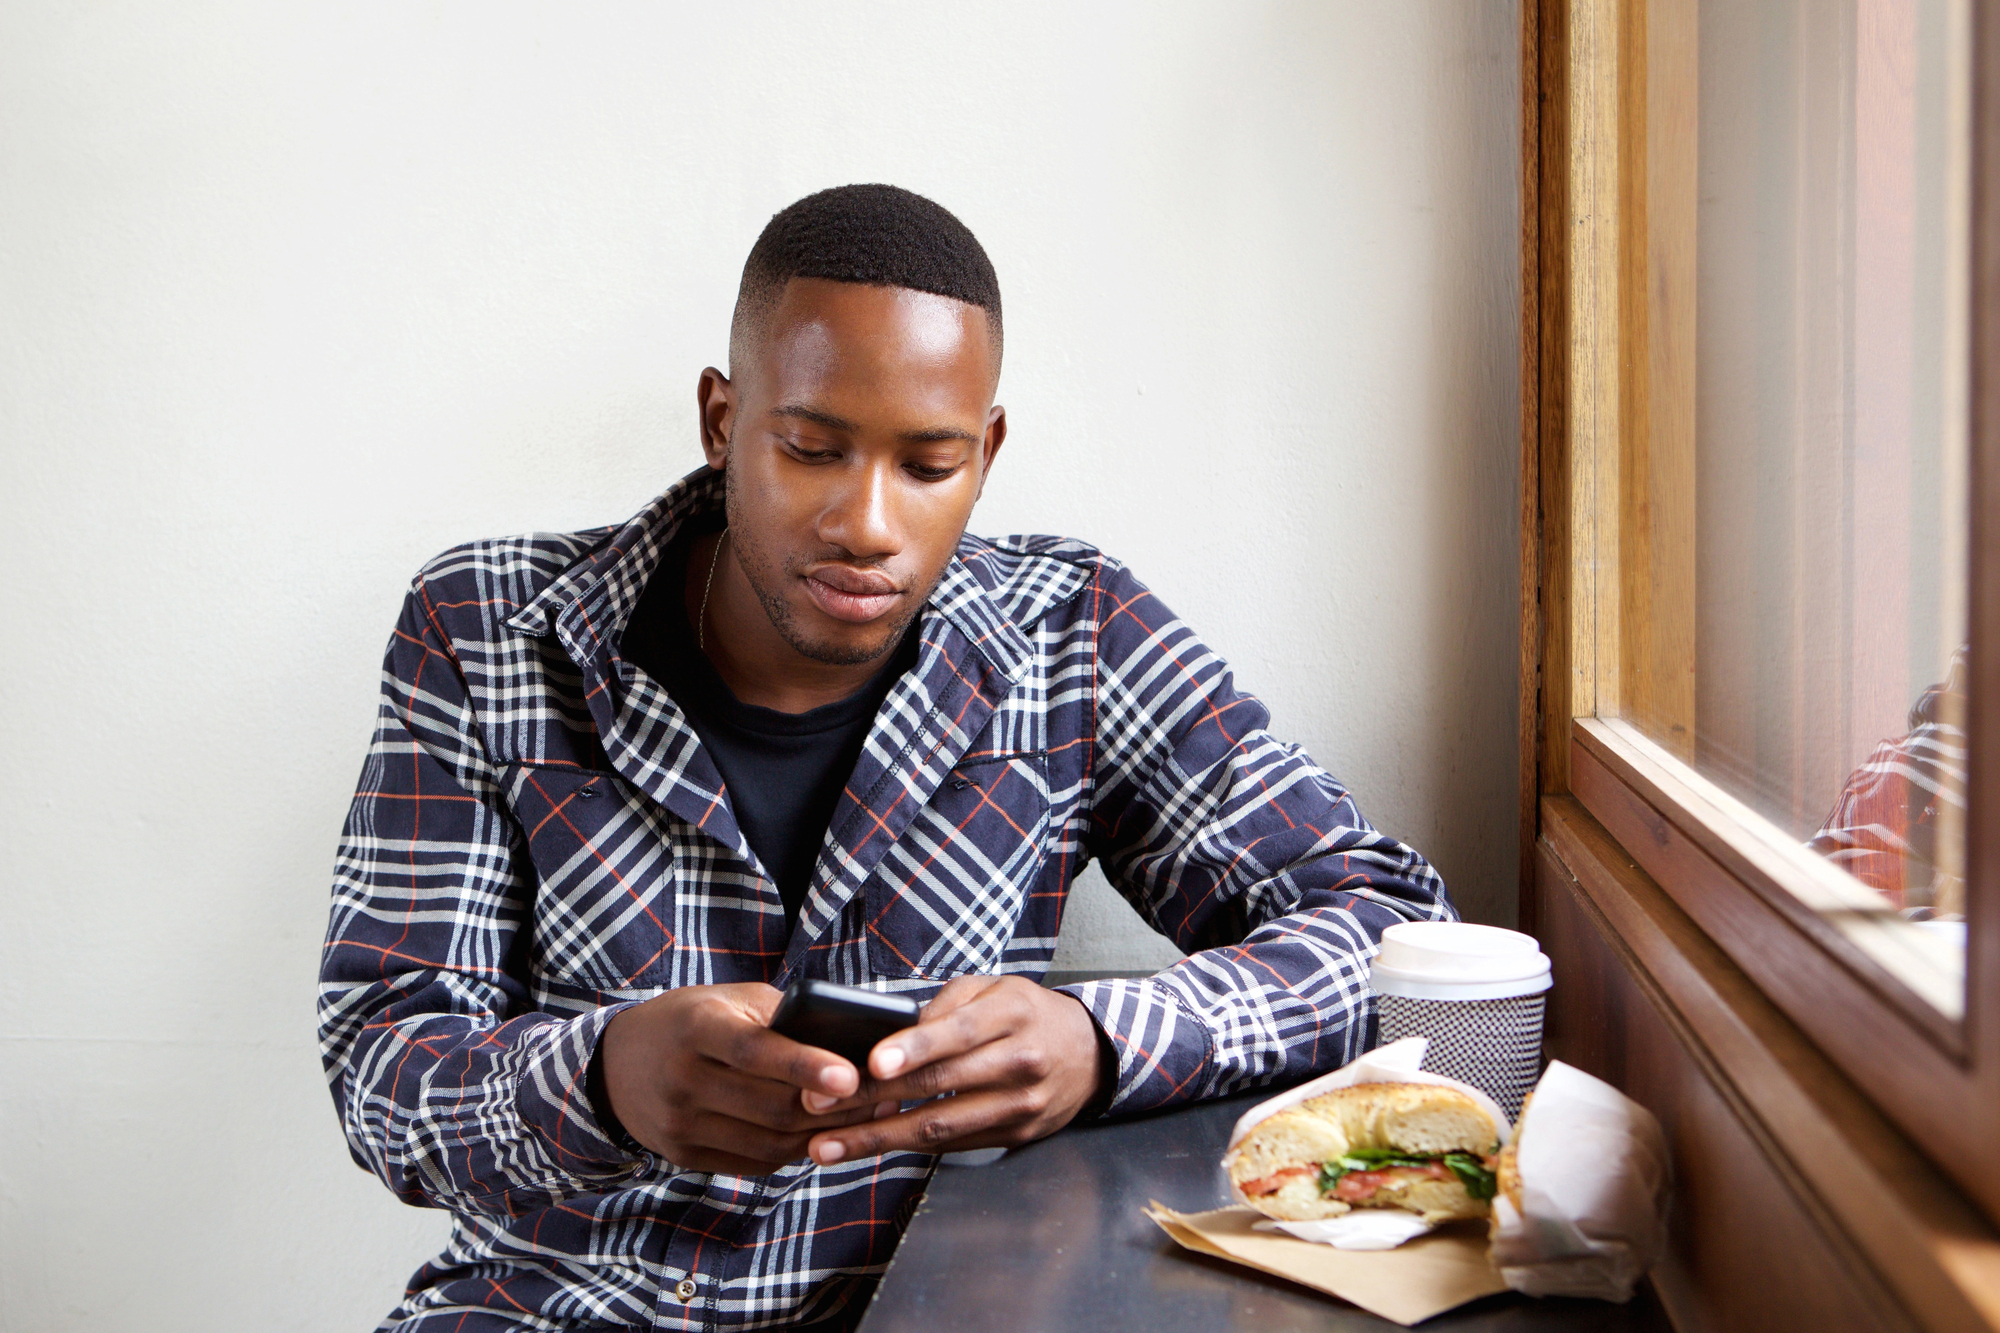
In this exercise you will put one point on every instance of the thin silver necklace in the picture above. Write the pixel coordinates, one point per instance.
(701, 627)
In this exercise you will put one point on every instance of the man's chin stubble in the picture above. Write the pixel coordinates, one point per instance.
(779, 611)
(840, 654)
(750, 561)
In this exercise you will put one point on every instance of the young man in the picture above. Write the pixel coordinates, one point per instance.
(790, 721)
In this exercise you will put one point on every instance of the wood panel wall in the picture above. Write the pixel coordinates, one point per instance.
(1747, 1253)
(1797, 1206)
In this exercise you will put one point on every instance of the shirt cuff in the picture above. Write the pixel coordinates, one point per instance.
(553, 1100)
(1165, 1052)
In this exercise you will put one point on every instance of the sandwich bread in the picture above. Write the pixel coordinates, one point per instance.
(1417, 1146)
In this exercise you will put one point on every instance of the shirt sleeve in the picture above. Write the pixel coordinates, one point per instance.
(1245, 853)
(449, 1087)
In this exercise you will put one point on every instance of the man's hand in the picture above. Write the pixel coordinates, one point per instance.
(1021, 1061)
(698, 1076)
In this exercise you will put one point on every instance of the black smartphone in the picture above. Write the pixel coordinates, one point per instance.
(846, 1020)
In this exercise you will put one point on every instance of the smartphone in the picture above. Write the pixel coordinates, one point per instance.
(846, 1020)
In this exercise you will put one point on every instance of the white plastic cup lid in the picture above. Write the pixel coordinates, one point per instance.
(1446, 953)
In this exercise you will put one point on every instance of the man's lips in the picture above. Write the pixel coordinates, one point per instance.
(853, 595)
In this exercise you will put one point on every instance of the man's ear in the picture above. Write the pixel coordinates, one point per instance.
(989, 448)
(715, 404)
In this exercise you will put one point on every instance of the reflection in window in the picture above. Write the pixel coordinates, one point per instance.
(1898, 826)
(1830, 450)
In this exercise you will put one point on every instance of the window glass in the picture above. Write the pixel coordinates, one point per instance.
(1830, 447)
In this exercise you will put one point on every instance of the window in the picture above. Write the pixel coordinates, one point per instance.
(1766, 441)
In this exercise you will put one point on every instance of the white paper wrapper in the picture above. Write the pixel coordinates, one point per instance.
(1395, 1063)
(1362, 1229)
(1594, 1180)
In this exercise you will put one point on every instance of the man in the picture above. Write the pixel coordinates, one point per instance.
(790, 721)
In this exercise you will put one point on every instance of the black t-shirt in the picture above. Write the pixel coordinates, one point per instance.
(784, 771)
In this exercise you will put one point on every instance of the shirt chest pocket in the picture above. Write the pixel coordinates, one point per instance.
(948, 896)
(604, 872)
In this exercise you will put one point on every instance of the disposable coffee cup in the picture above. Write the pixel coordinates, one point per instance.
(1477, 992)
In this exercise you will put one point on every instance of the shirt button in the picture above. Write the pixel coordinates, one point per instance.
(686, 1289)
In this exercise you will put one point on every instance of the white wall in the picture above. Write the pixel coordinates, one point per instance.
(295, 296)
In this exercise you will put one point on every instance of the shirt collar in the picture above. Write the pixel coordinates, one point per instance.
(592, 599)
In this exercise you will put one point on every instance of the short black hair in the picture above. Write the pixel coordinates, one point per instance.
(879, 235)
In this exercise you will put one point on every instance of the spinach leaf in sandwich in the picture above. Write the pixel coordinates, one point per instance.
(1365, 1159)
(1478, 1181)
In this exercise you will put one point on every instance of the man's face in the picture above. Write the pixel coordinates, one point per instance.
(855, 439)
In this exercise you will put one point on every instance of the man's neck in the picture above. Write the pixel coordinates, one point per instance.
(755, 661)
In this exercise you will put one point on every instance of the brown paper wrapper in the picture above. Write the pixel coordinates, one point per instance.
(1409, 1284)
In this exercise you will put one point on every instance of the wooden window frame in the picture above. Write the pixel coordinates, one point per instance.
(1607, 538)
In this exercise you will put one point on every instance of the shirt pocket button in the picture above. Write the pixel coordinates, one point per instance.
(686, 1289)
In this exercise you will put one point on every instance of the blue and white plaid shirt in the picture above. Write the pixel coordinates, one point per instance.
(539, 839)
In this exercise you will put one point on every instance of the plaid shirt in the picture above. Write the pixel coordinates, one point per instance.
(538, 839)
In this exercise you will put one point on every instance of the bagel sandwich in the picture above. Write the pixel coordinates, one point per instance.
(1428, 1149)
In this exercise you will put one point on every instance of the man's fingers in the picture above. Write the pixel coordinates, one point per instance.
(940, 1126)
(758, 1001)
(726, 1036)
(957, 992)
(728, 1136)
(944, 1030)
(996, 1064)
(774, 1105)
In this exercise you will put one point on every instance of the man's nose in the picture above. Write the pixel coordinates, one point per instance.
(859, 516)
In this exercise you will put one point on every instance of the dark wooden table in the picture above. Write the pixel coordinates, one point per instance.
(1050, 1237)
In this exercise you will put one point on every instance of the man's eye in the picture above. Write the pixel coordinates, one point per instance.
(923, 472)
(805, 455)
